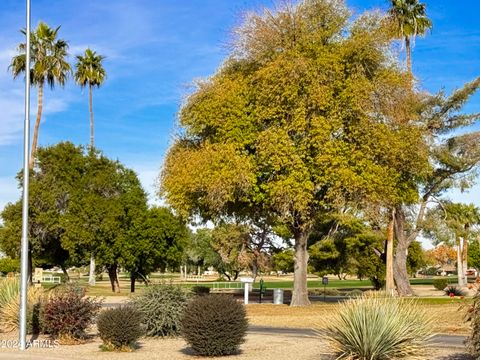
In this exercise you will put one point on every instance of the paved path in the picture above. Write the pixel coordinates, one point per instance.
(440, 340)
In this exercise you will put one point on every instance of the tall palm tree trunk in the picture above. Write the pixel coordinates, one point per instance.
(90, 102)
(91, 275)
(37, 125)
(409, 55)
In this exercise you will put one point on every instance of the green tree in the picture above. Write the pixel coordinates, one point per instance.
(345, 244)
(454, 223)
(48, 65)
(453, 163)
(283, 261)
(108, 201)
(474, 255)
(157, 240)
(230, 242)
(415, 258)
(89, 71)
(410, 19)
(52, 184)
(304, 116)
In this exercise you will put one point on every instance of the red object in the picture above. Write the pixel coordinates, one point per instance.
(452, 295)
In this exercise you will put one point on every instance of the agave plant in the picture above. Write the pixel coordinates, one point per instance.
(378, 327)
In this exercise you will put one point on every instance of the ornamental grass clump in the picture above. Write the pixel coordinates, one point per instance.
(120, 328)
(68, 313)
(10, 305)
(379, 327)
(214, 325)
(162, 308)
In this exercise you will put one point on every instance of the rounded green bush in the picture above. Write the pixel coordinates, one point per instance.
(379, 327)
(440, 283)
(214, 325)
(120, 328)
(162, 308)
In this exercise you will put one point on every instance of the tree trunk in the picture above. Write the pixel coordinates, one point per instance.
(400, 260)
(460, 269)
(37, 125)
(408, 50)
(90, 103)
(300, 292)
(389, 283)
(181, 272)
(132, 282)
(112, 274)
(65, 273)
(254, 270)
(91, 274)
(464, 259)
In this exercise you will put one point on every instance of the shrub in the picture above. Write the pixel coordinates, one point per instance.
(355, 293)
(9, 265)
(440, 284)
(454, 291)
(378, 327)
(10, 305)
(162, 308)
(473, 315)
(120, 328)
(214, 325)
(201, 290)
(327, 292)
(68, 313)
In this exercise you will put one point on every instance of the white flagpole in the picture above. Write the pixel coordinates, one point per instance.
(26, 154)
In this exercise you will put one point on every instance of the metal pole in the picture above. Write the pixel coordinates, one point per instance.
(26, 154)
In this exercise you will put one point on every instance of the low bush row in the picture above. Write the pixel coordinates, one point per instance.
(370, 325)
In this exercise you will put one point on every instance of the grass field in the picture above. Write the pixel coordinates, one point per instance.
(447, 317)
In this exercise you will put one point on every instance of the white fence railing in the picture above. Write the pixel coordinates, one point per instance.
(51, 279)
(227, 285)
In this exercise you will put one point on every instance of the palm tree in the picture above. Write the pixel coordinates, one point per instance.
(89, 71)
(410, 19)
(48, 65)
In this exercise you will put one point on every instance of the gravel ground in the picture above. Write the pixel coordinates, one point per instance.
(256, 347)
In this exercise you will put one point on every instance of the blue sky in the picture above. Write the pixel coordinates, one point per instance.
(154, 50)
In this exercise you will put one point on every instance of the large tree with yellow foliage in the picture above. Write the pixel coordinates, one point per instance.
(309, 113)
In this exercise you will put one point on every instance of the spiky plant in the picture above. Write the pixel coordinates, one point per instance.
(379, 327)
(10, 305)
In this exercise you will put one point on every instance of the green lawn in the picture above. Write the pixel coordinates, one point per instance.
(336, 284)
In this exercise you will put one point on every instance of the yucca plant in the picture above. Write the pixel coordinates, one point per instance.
(9, 289)
(379, 327)
(10, 305)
